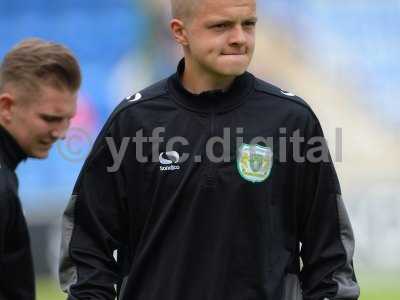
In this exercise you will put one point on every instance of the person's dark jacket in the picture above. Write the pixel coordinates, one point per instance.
(16, 267)
(183, 226)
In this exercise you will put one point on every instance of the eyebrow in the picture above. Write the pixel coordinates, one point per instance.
(230, 21)
(252, 19)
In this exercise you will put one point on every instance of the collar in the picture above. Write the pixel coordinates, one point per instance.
(10, 152)
(211, 101)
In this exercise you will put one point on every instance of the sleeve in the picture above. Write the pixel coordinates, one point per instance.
(326, 235)
(16, 278)
(93, 228)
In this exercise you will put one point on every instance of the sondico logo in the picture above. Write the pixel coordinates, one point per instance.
(168, 160)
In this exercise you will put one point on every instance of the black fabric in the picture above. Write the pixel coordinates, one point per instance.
(215, 100)
(11, 152)
(16, 267)
(199, 230)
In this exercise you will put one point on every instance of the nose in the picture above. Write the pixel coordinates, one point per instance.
(60, 131)
(58, 134)
(238, 37)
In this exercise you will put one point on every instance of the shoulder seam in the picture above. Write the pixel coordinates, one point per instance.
(296, 99)
(129, 103)
(132, 103)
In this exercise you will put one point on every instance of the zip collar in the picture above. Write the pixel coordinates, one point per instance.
(211, 101)
(11, 153)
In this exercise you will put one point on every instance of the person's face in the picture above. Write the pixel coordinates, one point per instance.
(221, 36)
(37, 123)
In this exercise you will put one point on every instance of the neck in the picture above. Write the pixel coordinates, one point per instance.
(197, 81)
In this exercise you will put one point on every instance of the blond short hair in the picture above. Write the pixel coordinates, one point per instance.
(34, 61)
(183, 9)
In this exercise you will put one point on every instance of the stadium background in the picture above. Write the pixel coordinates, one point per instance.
(342, 57)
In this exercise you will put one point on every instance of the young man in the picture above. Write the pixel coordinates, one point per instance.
(39, 81)
(188, 225)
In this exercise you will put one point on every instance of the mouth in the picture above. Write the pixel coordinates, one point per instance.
(234, 54)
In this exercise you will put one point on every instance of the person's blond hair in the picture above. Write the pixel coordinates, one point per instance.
(33, 62)
(183, 9)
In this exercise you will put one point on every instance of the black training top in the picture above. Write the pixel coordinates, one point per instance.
(190, 216)
(16, 268)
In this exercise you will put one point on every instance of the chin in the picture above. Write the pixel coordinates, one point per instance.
(232, 70)
(39, 154)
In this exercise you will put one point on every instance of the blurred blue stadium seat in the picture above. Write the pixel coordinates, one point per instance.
(367, 31)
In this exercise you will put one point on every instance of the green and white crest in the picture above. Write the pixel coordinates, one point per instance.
(254, 162)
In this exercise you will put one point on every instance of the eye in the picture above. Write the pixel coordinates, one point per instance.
(250, 23)
(51, 119)
(220, 26)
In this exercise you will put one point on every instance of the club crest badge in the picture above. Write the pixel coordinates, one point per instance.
(254, 162)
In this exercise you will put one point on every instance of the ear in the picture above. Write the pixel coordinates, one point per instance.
(7, 103)
(179, 32)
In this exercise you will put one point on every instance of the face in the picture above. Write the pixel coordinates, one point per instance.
(37, 123)
(219, 39)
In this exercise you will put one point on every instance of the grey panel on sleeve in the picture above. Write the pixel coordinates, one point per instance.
(67, 271)
(292, 289)
(347, 287)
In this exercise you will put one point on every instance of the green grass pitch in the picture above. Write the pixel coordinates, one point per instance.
(382, 287)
